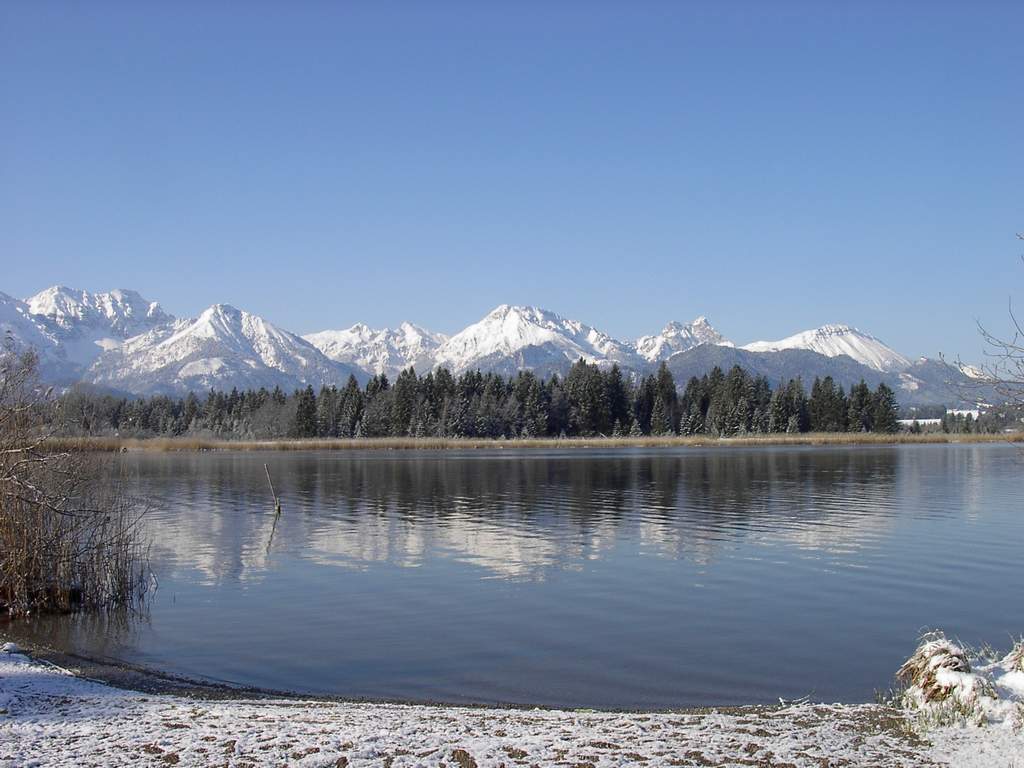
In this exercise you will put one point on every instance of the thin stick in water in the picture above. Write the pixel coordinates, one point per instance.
(277, 501)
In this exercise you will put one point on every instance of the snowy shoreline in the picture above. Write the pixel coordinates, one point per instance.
(49, 716)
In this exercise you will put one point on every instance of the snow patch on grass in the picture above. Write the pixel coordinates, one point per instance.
(974, 716)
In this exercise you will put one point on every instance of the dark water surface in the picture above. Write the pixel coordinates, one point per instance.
(590, 578)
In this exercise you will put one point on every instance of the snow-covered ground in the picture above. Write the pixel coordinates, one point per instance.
(49, 717)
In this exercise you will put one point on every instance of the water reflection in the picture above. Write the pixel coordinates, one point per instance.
(514, 517)
(624, 578)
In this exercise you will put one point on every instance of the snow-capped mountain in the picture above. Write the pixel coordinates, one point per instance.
(835, 340)
(385, 351)
(125, 342)
(512, 338)
(84, 324)
(678, 337)
(222, 348)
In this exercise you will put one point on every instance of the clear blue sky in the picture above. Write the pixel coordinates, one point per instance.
(775, 166)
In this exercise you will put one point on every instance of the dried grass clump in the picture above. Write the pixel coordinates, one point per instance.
(940, 687)
(922, 671)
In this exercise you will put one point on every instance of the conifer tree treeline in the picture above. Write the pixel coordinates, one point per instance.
(588, 402)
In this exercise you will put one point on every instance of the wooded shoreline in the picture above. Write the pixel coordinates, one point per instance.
(185, 444)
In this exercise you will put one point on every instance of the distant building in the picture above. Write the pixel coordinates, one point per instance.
(921, 422)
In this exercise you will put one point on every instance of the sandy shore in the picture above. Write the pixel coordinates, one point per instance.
(51, 717)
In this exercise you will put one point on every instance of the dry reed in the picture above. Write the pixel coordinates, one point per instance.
(170, 444)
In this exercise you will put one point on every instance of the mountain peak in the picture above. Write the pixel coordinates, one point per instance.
(678, 337)
(512, 337)
(524, 312)
(221, 310)
(385, 351)
(836, 339)
(123, 309)
(223, 347)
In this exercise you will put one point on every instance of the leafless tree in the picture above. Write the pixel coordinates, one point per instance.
(1002, 371)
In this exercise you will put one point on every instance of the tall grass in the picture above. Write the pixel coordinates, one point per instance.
(113, 444)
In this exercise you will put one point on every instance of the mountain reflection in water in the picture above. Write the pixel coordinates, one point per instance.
(618, 578)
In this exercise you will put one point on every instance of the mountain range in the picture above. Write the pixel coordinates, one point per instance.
(121, 342)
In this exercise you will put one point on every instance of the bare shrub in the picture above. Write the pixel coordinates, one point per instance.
(70, 537)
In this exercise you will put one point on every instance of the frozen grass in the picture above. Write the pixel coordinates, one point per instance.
(432, 443)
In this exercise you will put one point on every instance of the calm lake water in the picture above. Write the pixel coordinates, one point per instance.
(588, 578)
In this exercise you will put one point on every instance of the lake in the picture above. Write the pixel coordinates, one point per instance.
(620, 578)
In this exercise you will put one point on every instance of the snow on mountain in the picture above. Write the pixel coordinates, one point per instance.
(385, 351)
(18, 326)
(512, 338)
(121, 340)
(16, 321)
(835, 340)
(677, 337)
(25, 330)
(124, 312)
(222, 348)
(84, 324)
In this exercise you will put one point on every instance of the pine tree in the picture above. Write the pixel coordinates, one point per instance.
(665, 387)
(404, 397)
(860, 411)
(885, 411)
(618, 396)
(797, 404)
(660, 424)
(305, 413)
(778, 412)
